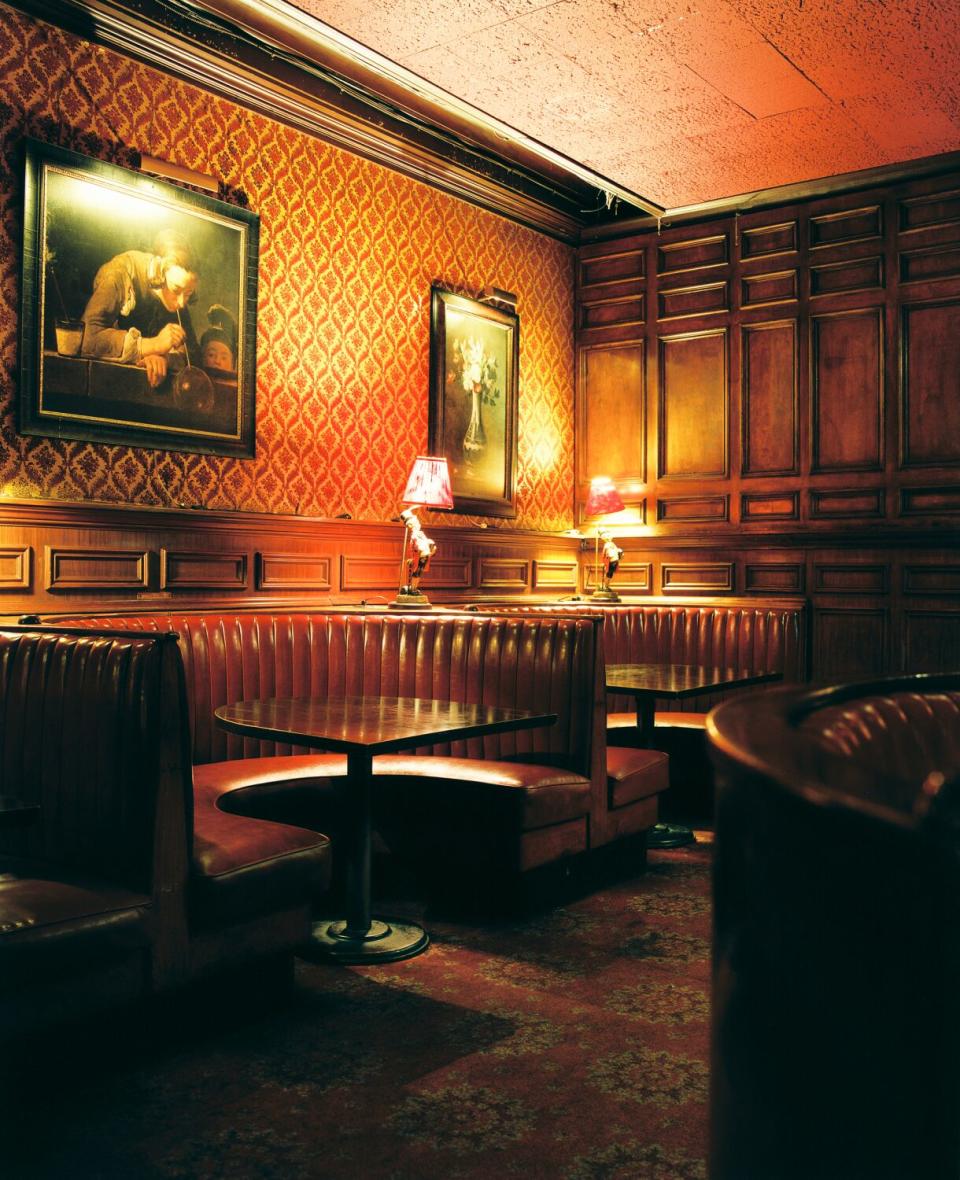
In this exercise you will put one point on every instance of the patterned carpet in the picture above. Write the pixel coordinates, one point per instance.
(568, 1046)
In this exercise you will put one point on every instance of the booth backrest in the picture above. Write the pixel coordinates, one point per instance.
(89, 730)
(537, 663)
(753, 635)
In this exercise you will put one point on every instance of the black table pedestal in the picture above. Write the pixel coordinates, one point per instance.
(385, 941)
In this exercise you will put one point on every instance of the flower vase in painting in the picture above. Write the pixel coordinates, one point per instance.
(478, 379)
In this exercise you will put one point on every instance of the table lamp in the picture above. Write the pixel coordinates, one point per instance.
(428, 486)
(602, 499)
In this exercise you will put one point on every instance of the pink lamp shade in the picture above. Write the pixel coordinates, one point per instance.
(603, 497)
(428, 484)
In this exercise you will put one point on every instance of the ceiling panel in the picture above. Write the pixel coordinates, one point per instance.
(688, 101)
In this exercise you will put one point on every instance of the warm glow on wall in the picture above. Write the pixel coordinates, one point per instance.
(343, 315)
(546, 447)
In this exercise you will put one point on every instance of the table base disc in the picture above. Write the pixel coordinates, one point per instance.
(670, 836)
(385, 942)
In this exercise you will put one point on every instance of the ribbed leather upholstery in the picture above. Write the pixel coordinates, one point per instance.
(836, 884)
(122, 856)
(77, 726)
(903, 737)
(522, 663)
(494, 792)
(760, 638)
(77, 734)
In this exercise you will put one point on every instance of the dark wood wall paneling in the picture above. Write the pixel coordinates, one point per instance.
(777, 396)
(59, 558)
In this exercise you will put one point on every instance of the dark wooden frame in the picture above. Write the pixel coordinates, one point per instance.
(71, 227)
(493, 491)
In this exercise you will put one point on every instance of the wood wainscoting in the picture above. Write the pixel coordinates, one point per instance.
(887, 603)
(775, 395)
(59, 557)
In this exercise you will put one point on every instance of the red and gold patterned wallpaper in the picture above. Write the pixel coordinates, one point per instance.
(348, 251)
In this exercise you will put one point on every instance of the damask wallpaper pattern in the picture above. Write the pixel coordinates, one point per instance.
(348, 253)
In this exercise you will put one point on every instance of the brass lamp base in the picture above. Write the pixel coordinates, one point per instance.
(605, 596)
(408, 599)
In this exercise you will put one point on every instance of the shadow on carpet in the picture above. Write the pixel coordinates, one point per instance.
(568, 1045)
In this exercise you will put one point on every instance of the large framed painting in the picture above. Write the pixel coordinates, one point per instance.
(474, 361)
(139, 310)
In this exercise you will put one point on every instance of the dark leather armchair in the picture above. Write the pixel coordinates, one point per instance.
(836, 1029)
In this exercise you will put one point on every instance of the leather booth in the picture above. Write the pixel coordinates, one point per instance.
(757, 635)
(507, 803)
(121, 874)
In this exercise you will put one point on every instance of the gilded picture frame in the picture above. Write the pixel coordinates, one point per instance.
(97, 248)
(474, 371)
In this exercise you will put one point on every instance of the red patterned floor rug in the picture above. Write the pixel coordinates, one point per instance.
(572, 1045)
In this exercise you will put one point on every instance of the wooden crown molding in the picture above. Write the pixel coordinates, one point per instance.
(787, 194)
(230, 48)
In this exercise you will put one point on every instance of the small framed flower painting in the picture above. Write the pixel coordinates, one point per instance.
(474, 354)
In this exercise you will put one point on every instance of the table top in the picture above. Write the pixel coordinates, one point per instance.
(375, 724)
(680, 680)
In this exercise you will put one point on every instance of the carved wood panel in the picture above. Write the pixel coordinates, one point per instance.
(293, 571)
(931, 640)
(632, 577)
(930, 343)
(829, 417)
(771, 444)
(847, 390)
(612, 422)
(201, 571)
(761, 241)
(850, 643)
(15, 567)
(688, 577)
(693, 411)
(555, 574)
(93, 568)
(503, 573)
(769, 577)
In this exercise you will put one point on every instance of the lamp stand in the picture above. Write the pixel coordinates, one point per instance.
(602, 593)
(408, 598)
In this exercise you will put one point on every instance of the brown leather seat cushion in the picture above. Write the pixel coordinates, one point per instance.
(476, 789)
(663, 719)
(291, 788)
(635, 774)
(65, 923)
(243, 866)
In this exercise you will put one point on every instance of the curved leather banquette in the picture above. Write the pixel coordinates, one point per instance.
(513, 800)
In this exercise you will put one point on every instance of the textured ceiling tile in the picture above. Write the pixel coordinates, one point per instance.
(579, 28)
(813, 143)
(672, 98)
(696, 31)
(759, 79)
(396, 28)
(898, 126)
(647, 16)
(858, 47)
(673, 175)
(730, 54)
